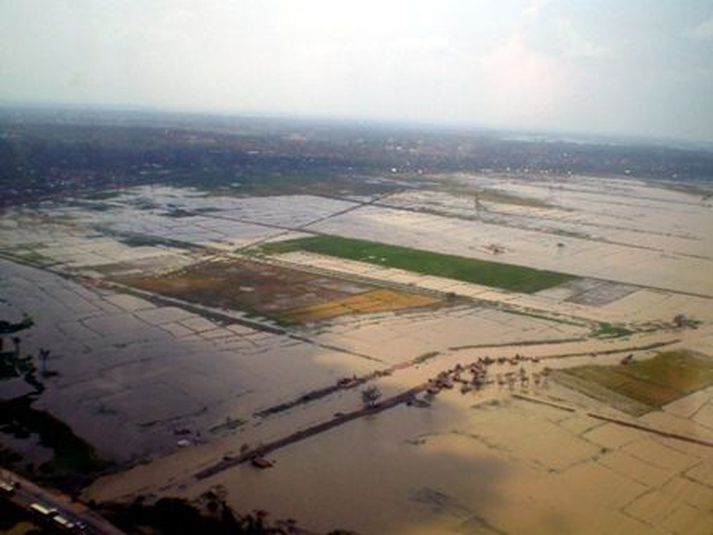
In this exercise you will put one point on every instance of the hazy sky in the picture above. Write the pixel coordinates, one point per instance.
(641, 67)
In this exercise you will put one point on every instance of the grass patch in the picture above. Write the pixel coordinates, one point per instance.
(650, 383)
(495, 274)
(607, 330)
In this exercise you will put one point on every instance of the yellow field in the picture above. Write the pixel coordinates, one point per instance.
(364, 303)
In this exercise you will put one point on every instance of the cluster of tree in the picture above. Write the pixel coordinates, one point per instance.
(209, 516)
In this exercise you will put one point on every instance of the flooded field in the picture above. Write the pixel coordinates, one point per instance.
(193, 335)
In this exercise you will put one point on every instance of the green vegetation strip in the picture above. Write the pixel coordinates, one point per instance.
(494, 274)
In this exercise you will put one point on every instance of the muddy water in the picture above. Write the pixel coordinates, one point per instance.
(376, 475)
(464, 467)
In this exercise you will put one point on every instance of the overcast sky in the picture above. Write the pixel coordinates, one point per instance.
(633, 67)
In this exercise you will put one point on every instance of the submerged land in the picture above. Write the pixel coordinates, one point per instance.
(376, 330)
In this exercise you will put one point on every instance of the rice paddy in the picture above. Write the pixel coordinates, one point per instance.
(487, 273)
(642, 386)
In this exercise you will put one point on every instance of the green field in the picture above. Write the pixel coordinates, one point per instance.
(607, 330)
(495, 274)
(653, 382)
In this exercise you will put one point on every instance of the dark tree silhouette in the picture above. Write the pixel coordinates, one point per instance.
(44, 355)
(370, 395)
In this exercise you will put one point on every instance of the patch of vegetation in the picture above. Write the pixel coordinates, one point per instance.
(207, 210)
(230, 424)
(495, 274)
(508, 198)
(28, 255)
(608, 330)
(8, 327)
(105, 195)
(572, 234)
(209, 516)
(178, 212)
(652, 383)
(425, 357)
(370, 395)
(73, 458)
(33, 257)
(144, 241)
(13, 366)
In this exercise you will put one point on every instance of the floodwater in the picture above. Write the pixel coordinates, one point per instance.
(497, 465)
(513, 457)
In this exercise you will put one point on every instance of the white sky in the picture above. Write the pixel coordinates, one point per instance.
(638, 67)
